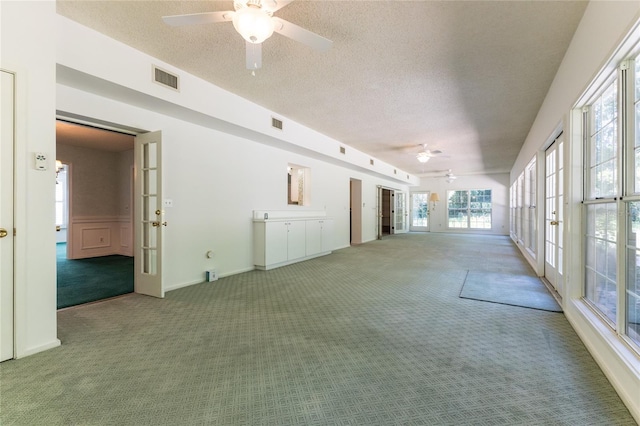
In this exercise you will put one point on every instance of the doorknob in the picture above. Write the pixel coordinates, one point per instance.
(3, 233)
(156, 224)
(553, 222)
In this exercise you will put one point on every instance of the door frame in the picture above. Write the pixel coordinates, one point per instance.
(135, 228)
(379, 210)
(355, 208)
(419, 228)
(553, 274)
(397, 195)
(8, 288)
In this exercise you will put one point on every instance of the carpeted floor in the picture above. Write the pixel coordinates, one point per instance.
(87, 280)
(526, 291)
(370, 335)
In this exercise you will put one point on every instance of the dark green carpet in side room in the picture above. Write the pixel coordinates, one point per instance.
(87, 280)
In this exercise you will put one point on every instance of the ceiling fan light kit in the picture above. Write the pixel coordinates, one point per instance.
(423, 157)
(253, 23)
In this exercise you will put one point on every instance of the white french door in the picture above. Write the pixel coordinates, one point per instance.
(419, 211)
(400, 217)
(553, 219)
(149, 222)
(7, 96)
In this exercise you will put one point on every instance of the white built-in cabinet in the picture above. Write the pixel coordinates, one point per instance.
(319, 236)
(283, 241)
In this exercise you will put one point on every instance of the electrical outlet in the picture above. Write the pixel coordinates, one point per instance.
(211, 275)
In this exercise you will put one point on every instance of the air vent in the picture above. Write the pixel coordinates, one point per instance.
(371, 161)
(275, 123)
(395, 172)
(165, 78)
(343, 150)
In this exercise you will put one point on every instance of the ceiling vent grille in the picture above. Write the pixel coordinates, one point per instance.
(343, 150)
(276, 124)
(371, 161)
(165, 78)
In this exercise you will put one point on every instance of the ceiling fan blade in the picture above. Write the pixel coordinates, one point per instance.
(301, 35)
(198, 18)
(436, 152)
(275, 5)
(254, 55)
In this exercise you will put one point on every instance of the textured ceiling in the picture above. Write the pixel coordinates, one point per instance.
(464, 77)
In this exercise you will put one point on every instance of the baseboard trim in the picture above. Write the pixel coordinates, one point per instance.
(617, 361)
(38, 349)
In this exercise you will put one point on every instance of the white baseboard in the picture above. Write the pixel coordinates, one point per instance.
(32, 351)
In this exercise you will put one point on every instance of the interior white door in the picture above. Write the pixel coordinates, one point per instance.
(7, 96)
(553, 223)
(401, 212)
(149, 215)
(419, 211)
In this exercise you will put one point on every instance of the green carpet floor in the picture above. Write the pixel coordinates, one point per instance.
(87, 280)
(369, 335)
(526, 290)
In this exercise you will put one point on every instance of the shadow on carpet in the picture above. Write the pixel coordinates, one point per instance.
(508, 289)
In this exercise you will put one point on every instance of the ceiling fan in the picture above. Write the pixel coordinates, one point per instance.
(254, 21)
(427, 154)
(450, 177)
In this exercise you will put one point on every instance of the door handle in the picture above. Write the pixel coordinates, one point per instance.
(3, 233)
(554, 222)
(156, 224)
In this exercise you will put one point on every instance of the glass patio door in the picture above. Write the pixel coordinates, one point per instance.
(419, 211)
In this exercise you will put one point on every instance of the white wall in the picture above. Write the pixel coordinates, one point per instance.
(28, 49)
(499, 197)
(215, 173)
(594, 45)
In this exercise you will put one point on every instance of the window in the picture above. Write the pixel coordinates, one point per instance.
(469, 209)
(600, 203)
(612, 188)
(531, 228)
(298, 185)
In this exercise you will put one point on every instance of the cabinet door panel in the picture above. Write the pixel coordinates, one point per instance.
(296, 239)
(327, 235)
(276, 242)
(314, 237)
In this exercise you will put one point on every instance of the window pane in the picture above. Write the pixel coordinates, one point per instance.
(603, 144)
(633, 273)
(600, 258)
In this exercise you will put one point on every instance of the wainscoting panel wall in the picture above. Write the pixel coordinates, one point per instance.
(100, 236)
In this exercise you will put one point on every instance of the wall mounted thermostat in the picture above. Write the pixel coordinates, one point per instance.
(40, 161)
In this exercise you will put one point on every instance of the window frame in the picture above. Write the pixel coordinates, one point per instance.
(468, 210)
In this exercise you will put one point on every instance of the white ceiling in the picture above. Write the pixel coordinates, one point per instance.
(465, 77)
(90, 137)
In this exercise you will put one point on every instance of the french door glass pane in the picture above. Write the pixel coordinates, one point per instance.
(420, 209)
